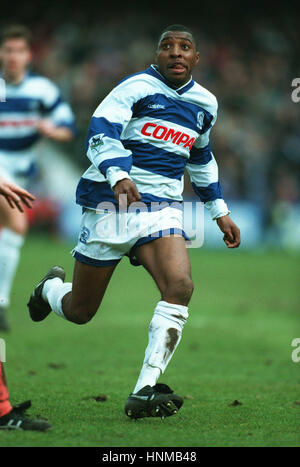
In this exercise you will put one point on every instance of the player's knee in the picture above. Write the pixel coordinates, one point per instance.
(22, 230)
(180, 290)
(185, 288)
(18, 225)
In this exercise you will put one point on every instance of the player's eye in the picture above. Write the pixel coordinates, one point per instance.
(185, 46)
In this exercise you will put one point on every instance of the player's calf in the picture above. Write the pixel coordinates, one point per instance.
(77, 302)
(80, 313)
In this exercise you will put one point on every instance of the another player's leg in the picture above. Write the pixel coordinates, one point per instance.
(77, 301)
(5, 406)
(167, 260)
(14, 228)
(13, 418)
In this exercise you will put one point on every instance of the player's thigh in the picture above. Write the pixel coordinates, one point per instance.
(167, 260)
(12, 218)
(89, 286)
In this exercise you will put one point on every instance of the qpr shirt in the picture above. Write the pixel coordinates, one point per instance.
(35, 97)
(150, 132)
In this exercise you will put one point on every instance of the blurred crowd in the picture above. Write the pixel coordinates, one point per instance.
(256, 139)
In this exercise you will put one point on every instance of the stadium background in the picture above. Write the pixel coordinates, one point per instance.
(249, 57)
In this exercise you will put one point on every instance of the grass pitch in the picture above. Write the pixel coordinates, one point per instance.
(233, 365)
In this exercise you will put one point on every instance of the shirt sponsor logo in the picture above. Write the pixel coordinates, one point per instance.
(18, 123)
(167, 134)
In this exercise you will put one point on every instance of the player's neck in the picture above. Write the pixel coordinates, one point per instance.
(172, 84)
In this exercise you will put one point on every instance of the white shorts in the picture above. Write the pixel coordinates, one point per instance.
(105, 237)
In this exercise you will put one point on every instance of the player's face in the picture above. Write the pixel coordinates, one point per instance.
(177, 56)
(15, 56)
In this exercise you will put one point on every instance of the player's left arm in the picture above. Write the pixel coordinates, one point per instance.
(15, 195)
(58, 122)
(204, 175)
(232, 235)
(205, 182)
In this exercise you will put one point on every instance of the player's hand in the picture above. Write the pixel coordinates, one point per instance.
(126, 193)
(46, 128)
(15, 195)
(232, 236)
(57, 133)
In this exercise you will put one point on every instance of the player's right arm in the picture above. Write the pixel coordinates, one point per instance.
(104, 147)
(15, 195)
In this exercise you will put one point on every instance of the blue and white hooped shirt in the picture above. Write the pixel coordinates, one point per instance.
(150, 132)
(35, 97)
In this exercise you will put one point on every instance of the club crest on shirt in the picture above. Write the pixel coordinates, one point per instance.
(84, 235)
(96, 142)
(200, 119)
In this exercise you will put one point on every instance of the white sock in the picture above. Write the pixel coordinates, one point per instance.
(10, 249)
(53, 292)
(164, 335)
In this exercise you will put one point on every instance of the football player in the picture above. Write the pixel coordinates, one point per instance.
(142, 136)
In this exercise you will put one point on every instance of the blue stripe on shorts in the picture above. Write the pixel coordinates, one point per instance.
(95, 262)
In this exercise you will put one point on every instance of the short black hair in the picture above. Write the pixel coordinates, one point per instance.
(16, 31)
(178, 27)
